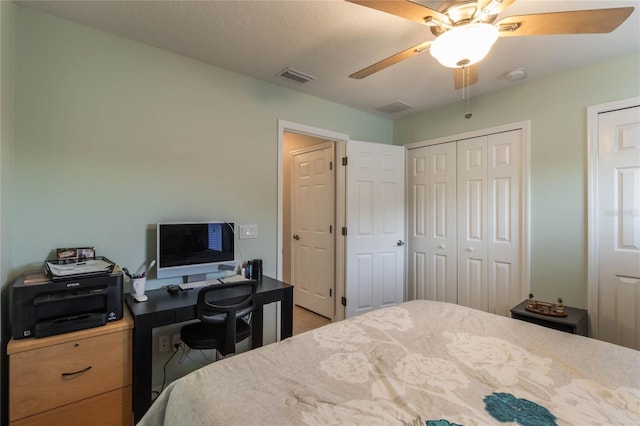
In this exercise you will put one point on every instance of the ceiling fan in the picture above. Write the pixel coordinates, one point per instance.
(465, 30)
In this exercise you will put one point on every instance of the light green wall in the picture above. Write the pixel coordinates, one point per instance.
(557, 108)
(113, 136)
(6, 174)
(6, 133)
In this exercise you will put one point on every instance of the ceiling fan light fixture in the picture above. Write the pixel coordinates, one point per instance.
(464, 45)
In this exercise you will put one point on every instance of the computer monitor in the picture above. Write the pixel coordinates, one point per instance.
(194, 249)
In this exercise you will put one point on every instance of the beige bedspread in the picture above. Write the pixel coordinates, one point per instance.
(421, 362)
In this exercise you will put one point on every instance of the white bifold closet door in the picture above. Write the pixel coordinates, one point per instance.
(489, 222)
(465, 222)
(433, 265)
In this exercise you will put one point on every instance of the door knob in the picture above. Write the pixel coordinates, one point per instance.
(296, 236)
(469, 249)
(441, 246)
(400, 243)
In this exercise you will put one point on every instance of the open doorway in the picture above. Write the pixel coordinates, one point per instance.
(311, 222)
(295, 139)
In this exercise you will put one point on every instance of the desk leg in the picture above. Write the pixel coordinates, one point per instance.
(286, 318)
(142, 358)
(257, 326)
(286, 314)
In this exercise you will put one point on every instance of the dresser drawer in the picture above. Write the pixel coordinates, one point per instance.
(56, 375)
(111, 408)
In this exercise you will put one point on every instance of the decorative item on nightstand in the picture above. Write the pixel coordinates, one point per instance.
(556, 316)
(545, 308)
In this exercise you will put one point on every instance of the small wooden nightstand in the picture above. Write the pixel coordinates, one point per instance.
(78, 378)
(575, 322)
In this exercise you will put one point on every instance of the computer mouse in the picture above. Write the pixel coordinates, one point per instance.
(173, 289)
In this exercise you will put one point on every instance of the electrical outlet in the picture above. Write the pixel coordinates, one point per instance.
(163, 343)
(177, 343)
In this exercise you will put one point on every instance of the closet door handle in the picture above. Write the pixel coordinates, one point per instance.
(400, 243)
(296, 237)
(76, 372)
(469, 249)
(441, 246)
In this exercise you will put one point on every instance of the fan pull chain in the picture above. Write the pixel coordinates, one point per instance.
(465, 72)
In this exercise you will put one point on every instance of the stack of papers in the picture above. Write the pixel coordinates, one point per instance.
(85, 267)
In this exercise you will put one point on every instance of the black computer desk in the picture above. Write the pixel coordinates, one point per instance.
(163, 308)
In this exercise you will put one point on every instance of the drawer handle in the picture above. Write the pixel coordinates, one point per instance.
(76, 372)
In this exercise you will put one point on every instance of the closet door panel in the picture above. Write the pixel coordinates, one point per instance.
(504, 226)
(473, 289)
(418, 244)
(432, 218)
(472, 223)
(442, 227)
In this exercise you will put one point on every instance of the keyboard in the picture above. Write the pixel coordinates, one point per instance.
(205, 283)
(198, 284)
(233, 279)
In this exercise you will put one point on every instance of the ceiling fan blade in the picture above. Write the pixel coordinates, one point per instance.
(571, 22)
(404, 9)
(394, 59)
(469, 79)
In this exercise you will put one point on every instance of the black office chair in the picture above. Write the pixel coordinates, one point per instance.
(221, 308)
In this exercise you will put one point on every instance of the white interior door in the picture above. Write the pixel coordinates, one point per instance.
(431, 197)
(375, 226)
(313, 229)
(618, 212)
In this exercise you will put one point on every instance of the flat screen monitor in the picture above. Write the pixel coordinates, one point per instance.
(194, 249)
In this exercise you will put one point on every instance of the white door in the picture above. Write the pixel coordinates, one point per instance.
(504, 228)
(313, 228)
(375, 226)
(618, 213)
(431, 198)
(472, 223)
(489, 222)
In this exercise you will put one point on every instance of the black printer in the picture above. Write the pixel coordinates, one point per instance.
(61, 306)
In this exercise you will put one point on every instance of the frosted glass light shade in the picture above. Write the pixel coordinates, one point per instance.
(464, 45)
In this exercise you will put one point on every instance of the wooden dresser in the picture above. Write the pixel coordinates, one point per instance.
(78, 378)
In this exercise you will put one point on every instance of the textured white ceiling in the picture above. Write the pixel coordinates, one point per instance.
(330, 39)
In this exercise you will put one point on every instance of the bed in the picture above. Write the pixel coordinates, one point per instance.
(417, 363)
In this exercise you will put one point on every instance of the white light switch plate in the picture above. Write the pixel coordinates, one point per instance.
(248, 231)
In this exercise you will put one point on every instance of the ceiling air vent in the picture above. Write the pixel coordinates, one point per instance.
(297, 76)
(394, 108)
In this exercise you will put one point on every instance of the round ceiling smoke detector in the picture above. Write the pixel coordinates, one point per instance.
(517, 74)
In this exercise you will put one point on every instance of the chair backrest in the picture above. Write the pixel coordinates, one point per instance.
(224, 303)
